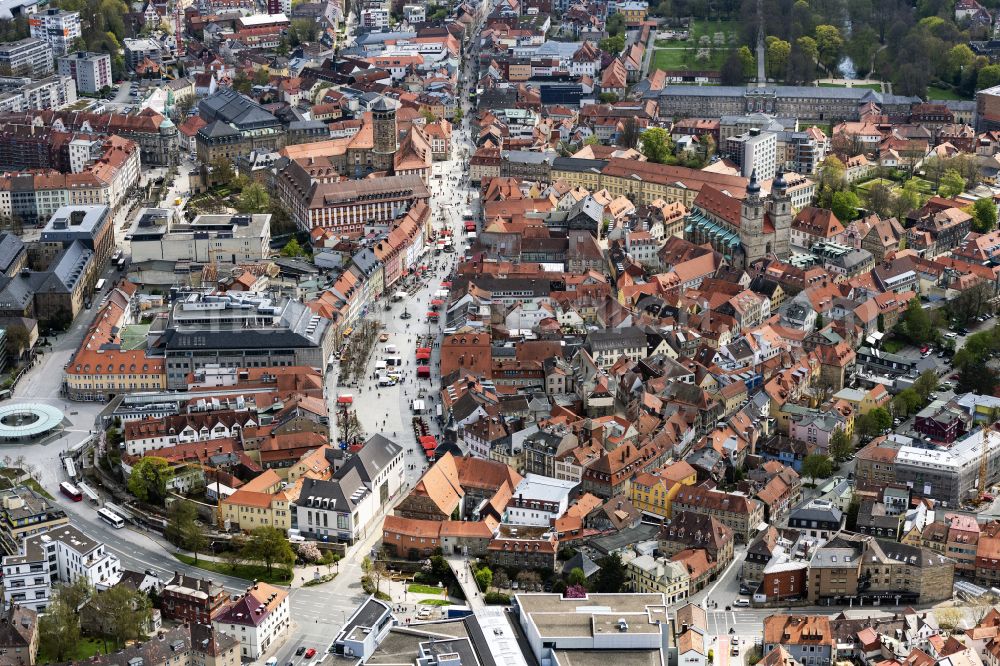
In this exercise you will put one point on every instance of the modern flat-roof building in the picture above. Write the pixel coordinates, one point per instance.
(239, 330)
(23, 513)
(160, 235)
(91, 225)
(538, 500)
(364, 630)
(30, 57)
(63, 555)
(91, 71)
(57, 27)
(625, 628)
(948, 474)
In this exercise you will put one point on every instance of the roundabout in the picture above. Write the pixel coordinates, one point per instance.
(28, 421)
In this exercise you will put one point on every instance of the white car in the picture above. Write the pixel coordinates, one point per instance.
(424, 613)
(741, 603)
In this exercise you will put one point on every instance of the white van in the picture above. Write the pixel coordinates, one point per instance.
(380, 365)
(390, 349)
(386, 381)
(394, 361)
(273, 661)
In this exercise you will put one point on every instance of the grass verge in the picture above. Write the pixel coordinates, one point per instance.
(419, 588)
(278, 576)
(943, 94)
(434, 602)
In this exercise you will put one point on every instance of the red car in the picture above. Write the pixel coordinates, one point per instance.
(954, 376)
(310, 653)
(924, 349)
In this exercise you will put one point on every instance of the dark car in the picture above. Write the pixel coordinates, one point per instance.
(300, 651)
(963, 331)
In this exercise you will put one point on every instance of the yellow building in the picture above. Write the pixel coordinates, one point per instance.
(648, 574)
(655, 493)
(633, 12)
(261, 502)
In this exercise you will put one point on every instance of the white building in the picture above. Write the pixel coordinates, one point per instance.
(415, 13)
(91, 71)
(258, 619)
(159, 235)
(365, 630)
(754, 151)
(538, 500)
(375, 18)
(52, 92)
(57, 27)
(608, 623)
(346, 507)
(31, 57)
(61, 555)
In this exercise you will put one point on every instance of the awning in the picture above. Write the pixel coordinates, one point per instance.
(428, 442)
(432, 315)
(423, 356)
(423, 350)
(437, 301)
(418, 405)
(423, 371)
(446, 284)
(401, 295)
(345, 400)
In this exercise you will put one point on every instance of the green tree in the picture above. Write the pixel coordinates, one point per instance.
(952, 184)
(989, 76)
(832, 173)
(880, 200)
(959, 58)
(576, 577)
(877, 420)
(292, 249)
(748, 62)
(484, 579)
(915, 323)
(926, 384)
(612, 576)
(148, 481)
(817, 466)
(615, 25)
(656, 145)
(776, 56)
(829, 45)
(254, 199)
(269, 546)
(123, 613)
(844, 205)
(906, 402)
(733, 72)
(261, 77)
(984, 215)
(808, 47)
(222, 171)
(613, 45)
(59, 629)
(18, 339)
(905, 200)
(841, 446)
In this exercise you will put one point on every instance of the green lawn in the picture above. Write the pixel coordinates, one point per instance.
(278, 575)
(418, 588)
(434, 602)
(709, 28)
(85, 649)
(869, 184)
(685, 59)
(31, 483)
(942, 93)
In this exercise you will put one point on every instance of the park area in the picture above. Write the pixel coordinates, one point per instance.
(708, 45)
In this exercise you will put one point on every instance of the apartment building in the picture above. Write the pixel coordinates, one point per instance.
(60, 555)
(755, 152)
(57, 27)
(808, 639)
(190, 599)
(187, 645)
(30, 57)
(949, 475)
(91, 71)
(24, 513)
(258, 618)
(161, 235)
(739, 513)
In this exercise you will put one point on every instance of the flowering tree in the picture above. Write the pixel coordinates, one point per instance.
(308, 551)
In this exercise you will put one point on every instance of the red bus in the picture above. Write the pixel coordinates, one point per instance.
(70, 491)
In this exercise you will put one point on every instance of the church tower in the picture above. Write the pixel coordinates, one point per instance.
(780, 211)
(385, 134)
(752, 222)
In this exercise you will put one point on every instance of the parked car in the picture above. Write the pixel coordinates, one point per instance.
(310, 653)
(300, 651)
